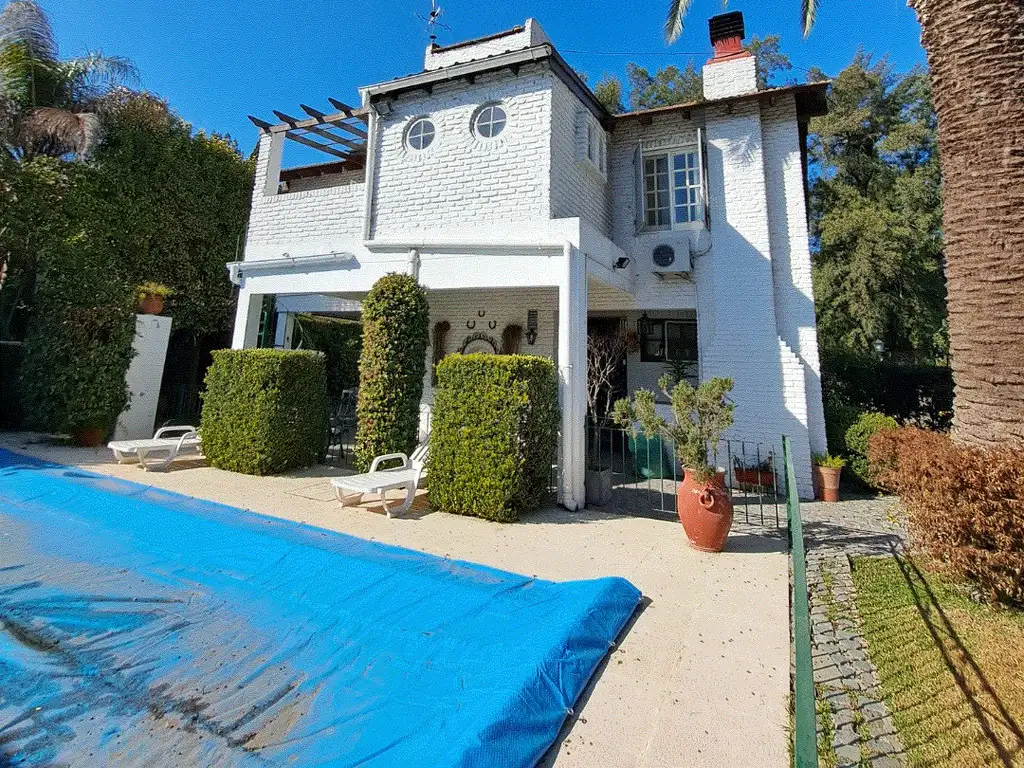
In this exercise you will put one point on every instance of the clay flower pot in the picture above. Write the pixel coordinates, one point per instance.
(88, 437)
(826, 486)
(151, 304)
(705, 510)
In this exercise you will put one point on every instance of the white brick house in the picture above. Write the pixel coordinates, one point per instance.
(496, 177)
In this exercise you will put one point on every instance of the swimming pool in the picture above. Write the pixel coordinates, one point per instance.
(140, 626)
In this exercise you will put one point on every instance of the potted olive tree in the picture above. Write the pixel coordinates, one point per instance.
(701, 414)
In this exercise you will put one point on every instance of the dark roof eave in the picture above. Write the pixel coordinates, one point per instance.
(810, 101)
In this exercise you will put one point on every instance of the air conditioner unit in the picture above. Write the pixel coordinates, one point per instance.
(670, 259)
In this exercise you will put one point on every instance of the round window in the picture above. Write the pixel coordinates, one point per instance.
(420, 134)
(664, 255)
(490, 121)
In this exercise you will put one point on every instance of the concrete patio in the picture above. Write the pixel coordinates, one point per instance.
(701, 677)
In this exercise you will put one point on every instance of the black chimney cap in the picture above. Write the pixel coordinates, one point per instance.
(726, 25)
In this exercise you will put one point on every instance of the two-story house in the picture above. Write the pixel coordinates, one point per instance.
(519, 202)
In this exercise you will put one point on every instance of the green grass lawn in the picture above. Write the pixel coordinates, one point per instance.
(952, 671)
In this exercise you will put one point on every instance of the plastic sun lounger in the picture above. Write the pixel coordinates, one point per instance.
(407, 476)
(166, 448)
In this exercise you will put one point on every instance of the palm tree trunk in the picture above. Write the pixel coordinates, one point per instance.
(976, 55)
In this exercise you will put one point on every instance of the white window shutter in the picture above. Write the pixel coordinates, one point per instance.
(638, 187)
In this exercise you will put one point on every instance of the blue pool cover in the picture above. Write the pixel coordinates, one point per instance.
(140, 627)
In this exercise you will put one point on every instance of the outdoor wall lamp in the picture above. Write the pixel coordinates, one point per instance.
(622, 262)
(531, 327)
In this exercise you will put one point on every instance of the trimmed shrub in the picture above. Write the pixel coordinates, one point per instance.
(838, 419)
(963, 503)
(264, 410)
(391, 368)
(73, 373)
(341, 341)
(856, 442)
(494, 433)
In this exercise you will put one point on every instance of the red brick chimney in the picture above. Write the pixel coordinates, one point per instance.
(727, 35)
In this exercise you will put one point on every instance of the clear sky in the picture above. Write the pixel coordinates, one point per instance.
(217, 61)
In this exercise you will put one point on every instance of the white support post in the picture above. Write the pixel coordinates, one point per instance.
(572, 363)
(273, 145)
(285, 330)
(247, 320)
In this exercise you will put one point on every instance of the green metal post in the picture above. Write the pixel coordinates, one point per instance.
(805, 736)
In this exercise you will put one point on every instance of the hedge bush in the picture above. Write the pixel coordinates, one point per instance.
(494, 433)
(341, 341)
(264, 410)
(963, 503)
(856, 442)
(391, 368)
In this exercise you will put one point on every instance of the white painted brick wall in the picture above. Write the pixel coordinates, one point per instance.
(731, 77)
(735, 290)
(791, 258)
(284, 222)
(501, 308)
(461, 178)
(577, 188)
(530, 34)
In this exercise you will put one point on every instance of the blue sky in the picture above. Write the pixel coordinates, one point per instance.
(219, 60)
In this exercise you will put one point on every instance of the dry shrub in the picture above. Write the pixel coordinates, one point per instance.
(965, 505)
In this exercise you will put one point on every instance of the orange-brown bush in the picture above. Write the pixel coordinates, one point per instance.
(965, 505)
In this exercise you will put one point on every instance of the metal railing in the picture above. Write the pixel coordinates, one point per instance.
(645, 474)
(805, 737)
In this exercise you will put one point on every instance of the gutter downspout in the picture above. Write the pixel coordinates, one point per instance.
(370, 171)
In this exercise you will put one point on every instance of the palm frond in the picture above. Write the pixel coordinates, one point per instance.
(24, 21)
(94, 70)
(674, 20)
(58, 132)
(808, 10)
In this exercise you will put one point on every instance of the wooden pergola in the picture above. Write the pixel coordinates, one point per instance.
(341, 134)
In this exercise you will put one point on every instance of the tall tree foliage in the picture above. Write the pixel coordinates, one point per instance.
(50, 105)
(876, 215)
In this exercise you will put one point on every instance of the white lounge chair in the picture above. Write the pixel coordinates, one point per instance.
(167, 443)
(380, 481)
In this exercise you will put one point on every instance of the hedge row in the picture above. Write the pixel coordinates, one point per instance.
(963, 505)
(341, 341)
(394, 359)
(494, 434)
(264, 410)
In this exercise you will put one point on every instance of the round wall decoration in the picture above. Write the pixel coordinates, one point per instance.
(479, 343)
(664, 255)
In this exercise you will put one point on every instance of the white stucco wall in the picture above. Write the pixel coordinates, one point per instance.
(461, 178)
(525, 36)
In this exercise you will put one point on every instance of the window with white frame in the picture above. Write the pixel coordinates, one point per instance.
(489, 121)
(673, 189)
(596, 144)
(420, 134)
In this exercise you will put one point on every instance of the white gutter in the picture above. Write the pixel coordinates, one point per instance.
(369, 171)
(458, 246)
(238, 270)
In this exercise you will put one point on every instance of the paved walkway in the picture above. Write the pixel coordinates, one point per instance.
(701, 677)
(863, 734)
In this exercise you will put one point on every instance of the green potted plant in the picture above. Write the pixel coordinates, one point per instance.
(151, 297)
(701, 414)
(754, 475)
(827, 469)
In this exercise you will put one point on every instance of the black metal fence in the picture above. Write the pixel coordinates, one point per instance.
(641, 475)
(340, 443)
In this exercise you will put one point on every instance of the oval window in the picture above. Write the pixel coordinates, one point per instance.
(490, 121)
(420, 134)
(664, 256)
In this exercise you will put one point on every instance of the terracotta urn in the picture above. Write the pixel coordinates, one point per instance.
(151, 304)
(88, 437)
(826, 485)
(705, 510)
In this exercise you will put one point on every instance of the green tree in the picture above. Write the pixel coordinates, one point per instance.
(49, 105)
(771, 61)
(668, 85)
(876, 215)
(609, 92)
